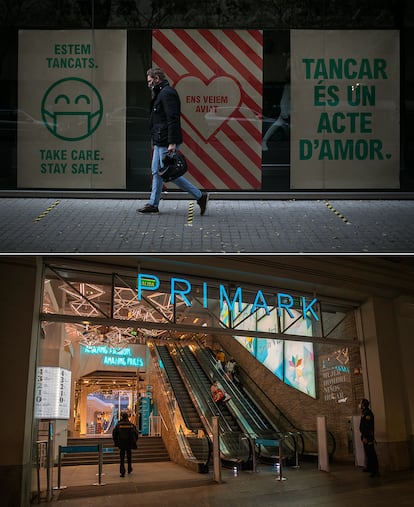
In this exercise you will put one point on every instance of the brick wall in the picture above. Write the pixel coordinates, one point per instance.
(338, 390)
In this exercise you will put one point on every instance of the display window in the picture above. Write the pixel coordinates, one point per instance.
(261, 110)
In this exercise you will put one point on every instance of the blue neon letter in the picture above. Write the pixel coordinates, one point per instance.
(205, 298)
(224, 296)
(182, 293)
(143, 285)
(286, 306)
(308, 308)
(262, 304)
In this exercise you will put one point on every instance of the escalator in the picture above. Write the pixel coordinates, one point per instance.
(197, 441)
(261, 429)
(202, 381)
(246, 430)
(188, 410)
(296, 441)
(235, 447)
(191, 388)
(242, 423)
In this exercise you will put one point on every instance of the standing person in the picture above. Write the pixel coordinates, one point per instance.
(367, 430)
(220, 358)
(229, 368)
(125, 436)
(219, 395)
(166, 135)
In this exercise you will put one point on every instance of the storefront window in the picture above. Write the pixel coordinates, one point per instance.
(276, 111)
(257, 125)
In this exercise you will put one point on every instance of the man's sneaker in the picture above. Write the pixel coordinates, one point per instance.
(202, 202)
(148, 208)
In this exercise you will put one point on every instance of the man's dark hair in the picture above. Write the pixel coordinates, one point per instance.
(156, 72)
(364, 403)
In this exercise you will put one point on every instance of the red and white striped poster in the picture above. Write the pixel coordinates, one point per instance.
(218, 75)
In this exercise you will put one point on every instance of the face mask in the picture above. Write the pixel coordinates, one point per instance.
(73, 125)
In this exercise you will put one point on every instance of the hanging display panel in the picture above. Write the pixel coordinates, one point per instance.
(218, 75)
(345, 112)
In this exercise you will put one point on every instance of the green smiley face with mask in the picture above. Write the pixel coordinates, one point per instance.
(72, 109)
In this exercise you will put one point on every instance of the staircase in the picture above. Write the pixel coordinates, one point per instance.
(150, 449)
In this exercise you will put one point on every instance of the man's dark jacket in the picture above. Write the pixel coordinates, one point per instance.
(367, 426)
(125, 435)
(165, 113)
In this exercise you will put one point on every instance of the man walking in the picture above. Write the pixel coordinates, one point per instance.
(125, 436)
(166, 135)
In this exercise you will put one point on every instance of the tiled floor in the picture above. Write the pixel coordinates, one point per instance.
(46, 225)
(170, 485)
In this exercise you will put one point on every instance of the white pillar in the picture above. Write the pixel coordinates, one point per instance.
(385, 382)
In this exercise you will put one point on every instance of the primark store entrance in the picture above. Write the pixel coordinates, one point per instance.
(310, 338)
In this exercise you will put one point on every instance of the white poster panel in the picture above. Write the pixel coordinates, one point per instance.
(322, 433)
(72, 86)
(359, 451)
(345, 109)
(52, 395)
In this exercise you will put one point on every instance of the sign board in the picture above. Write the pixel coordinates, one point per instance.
(145, 411)
(345, 92)
(335, 377)
(71, 83)
(52, 395)
(218, 75)
(112, 356)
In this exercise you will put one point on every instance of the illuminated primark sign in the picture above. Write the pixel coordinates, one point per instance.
(112, 356)
(182, 288)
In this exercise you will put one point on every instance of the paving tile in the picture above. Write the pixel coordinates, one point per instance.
(61, 226)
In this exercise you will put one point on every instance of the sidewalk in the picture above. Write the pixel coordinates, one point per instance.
(112, 226)
(169, 485)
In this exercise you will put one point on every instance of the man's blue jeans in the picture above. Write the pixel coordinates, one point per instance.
(157, 182)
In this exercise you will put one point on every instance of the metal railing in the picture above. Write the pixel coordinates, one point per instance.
(42, 452)
(78, 449)
(154, 426)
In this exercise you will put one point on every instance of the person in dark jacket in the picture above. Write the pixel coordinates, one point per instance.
(367, 430)
(125, 436)
(166, 135)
